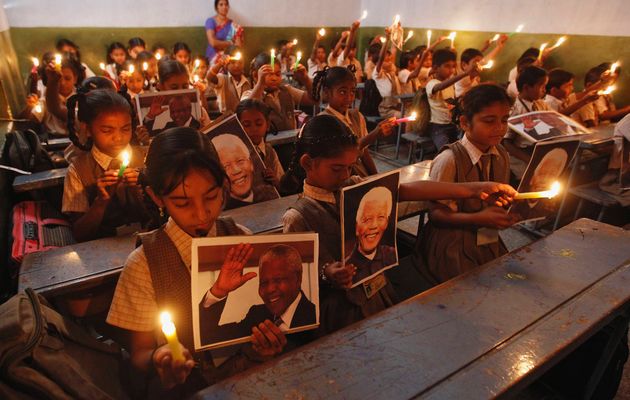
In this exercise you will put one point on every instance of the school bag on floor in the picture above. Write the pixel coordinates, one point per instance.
(370, 100)
(24, 150)
(46, 356)
(37, 226)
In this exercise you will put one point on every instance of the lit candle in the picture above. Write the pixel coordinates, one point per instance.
(236, 57)
(158, 56)
(132, 69)
(495, 37)
(452, 38)
(38, 109)
(559, 42)
(608, 90)
(35, 62)
(545, 194)
(197, 64)
(145, 66)
(410, 118)
(295, 41)
(58, 62)
(429, 38)
(542, 48)
(297, 60)
(322, 32)
(487, 65)
(383, 39)
(518, 29)
(396, 19)
(364, 15)
(168, 328)
(195, 78)
(273, 58)
(125, 162)
(102, 66)
(613, 67)
(409, 35)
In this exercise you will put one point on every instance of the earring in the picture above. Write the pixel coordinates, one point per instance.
(161, 212)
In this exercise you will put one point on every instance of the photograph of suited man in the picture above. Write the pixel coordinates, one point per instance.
(284, 302)
(180, 110)
(236, 160)
(372, 220)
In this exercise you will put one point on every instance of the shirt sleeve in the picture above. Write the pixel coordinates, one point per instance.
(430, 87)
(75, 198)
(293, 221)
(403, 75)
(134, 306)
(443, 169)
(247, 94)
(210, 24)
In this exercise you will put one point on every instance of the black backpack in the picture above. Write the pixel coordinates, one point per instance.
(370, 100)
(24, 150)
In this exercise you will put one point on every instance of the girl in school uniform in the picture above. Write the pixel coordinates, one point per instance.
(337, 86)
(280, 97)
(116, 58)
(254, 116)
(326, 150)
(99, 195)
(187, 183)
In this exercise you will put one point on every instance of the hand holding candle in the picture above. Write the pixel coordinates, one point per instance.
(168, 328)
(297, 60)
(606, 91)
(410, 118)
(613, 67)
(125, 162)
(555, 189)
(58, 62)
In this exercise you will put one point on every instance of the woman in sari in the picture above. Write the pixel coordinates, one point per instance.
(221, 31)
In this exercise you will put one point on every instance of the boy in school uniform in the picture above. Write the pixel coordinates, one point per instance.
(409, 70)
(439, 90)
(229, 86)
(386, 79)
(317, 61)
(560, 95)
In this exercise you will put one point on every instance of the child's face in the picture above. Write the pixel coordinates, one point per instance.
(175, 82)
(67, 82)
(321, 54)
(488, 126)
(135, 82)
(111, 132)
(413, 63)
(68, 49)
(119, 56)
(445, 70)
(235, 67)
(341, 96)
(428, 60)
(474, 60)
(563, 91)
(330, 173)
(272, 81)
(535, 92)
(134, 51)
(195, 203)
(255, 125)
(161, 51)
(388, 60)
(153, 68)
(202, 70)
(183, 57)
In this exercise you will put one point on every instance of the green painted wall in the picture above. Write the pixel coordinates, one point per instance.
(577, 55)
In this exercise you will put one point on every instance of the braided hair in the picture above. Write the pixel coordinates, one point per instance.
(323, 136)
(331, 77)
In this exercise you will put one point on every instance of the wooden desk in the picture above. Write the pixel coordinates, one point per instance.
(39, 180)
(601, 136)
(75, 267)
(282, 137)
(486, 334)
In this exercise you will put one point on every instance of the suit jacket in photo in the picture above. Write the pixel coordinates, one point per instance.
(170, 124)
(385, 256)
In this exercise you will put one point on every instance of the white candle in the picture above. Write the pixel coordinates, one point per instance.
(58, 62)
(542, 48)
(396, 19)
(608, 90)
(132, 69)
(545, 194)
(452, 38)
(35, 61)
(364, 15)
(295, 41)
(613, 67)
(409, 36)
(273, 58)
(487, 65)
(560, 41)
(168, 328)
(410, 118)
(429, 38)
(322, 32)
(495, 37)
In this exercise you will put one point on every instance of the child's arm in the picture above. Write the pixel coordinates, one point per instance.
(216, 68)
(301, 75)
(516, 151)
(27, 113)
(614, 113)
(337, 48)
(491, 217)
(318, 38)
(498, 48)
(383, 129)
(472, 68)
(350, 43)
(585, 99)
(53, 105)
(432, 190)
(259, 88)
(381, 55)
(424, 56)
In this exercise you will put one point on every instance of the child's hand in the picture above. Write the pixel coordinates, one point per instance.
(142, 134)
(386, 127)
(270, 177)
(201, 87)
(231, 275)
(172, 372)
(499, 194)
(263, 72)
(473, 69)
(591, 96)
(130, 177)
(340, 275)
(318, 37)
(502, 39)
(267, 339)
(300, 74)
(31, 101)
(105, 182)
(495, 217)
(355, 25)
(388, 33)
(51, 72)
(156, 107)
(345, 34)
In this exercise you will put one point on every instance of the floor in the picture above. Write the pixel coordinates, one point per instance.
(513, 238)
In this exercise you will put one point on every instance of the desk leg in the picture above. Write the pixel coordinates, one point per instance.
(400, 127)
(576, 165)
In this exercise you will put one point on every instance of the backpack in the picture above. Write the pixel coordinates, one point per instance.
(371, 99)
(46, 356)
(420, 104)
(24, 150)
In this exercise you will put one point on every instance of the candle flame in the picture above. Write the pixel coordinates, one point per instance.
(396, 19)
(132, 69)
(409, 35)
(197, 63)
(555, 190)
(57, 59)
(295, 41)
(322, 32)
(560, 41)
(519, 28)
(495, 37)
(35, 61)
(413, 116)
(487, 65)
(126, 157)
(614, 67)
(429, 37)
(102, 66)
(38, 108)
(168, 328)
(196, 78)
(145, 66)
(158, 56)
(273, 53)
(452, 36)
(383, 40)
(608, 90)
(299, 55)
(237, 56)
(165, 317)
(364, 15)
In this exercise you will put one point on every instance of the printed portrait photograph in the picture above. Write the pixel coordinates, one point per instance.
(242, 163)
(239, 282)
(543, 125)
(169, 109)
(369, 212)
(547, 165)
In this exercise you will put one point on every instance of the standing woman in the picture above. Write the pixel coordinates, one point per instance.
(221, 31)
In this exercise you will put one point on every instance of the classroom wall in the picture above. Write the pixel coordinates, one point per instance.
(597, 29)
